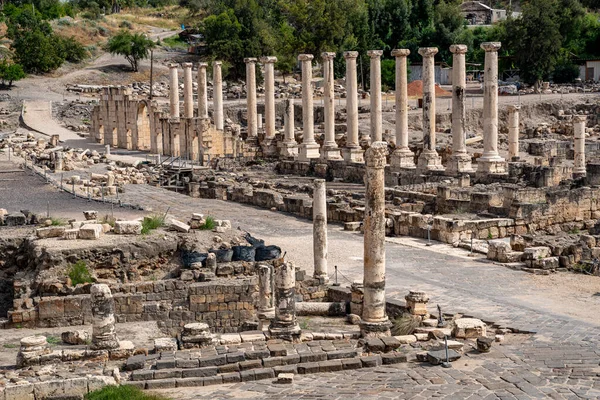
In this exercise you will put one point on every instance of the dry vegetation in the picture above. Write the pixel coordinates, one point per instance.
(170, 17)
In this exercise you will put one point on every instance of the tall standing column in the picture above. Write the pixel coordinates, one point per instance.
(490, 162)
(352, 152)
(173, 92)
(309, 147)
(103, 318)
(513, 132)
(402, 156)
(266, 308)
(289, 147)
(460, 161)
(202, 91)
(188, 90)
(269, 63)
(330, 149)
(285, 325)
(429, 158)
(579, 136)
(374, 319)
(320, 230)
(251, 96)
(375, 88)
(218, 95)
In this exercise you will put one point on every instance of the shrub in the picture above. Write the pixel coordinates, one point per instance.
(152, 222)
(405, 324)
(209, 224)
(126, 25)
(79, 273)
(73, 51)
(58, 221)
(121, 393)
(108, 219)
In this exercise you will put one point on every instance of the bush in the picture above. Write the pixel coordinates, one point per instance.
(151, 223)
(79, 273)
(405, 324)
(58, 221)
(565, 72)
(121, 393)
(209, 224)
(73, 51)
(10, 73)
(126, 25)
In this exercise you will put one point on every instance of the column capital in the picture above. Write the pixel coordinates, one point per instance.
(491, 46)
(327, 55)
(513, 107)
(268, 60)
(305, 57)
(187, 65)
(375, 156)
(375, 53)
(579, 118)
(350, 54)
(400, 53)
(428, 51)
(250, 60)
(202, 65)
(173, 65)
(217, 63)
(458, 49)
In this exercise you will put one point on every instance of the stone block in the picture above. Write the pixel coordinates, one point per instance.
(167, 373)
(142, 375)
(51, 307)
(179, 226)
(469, 328)
(371, 361)
(199, 372)
(536, 253)
(161, 384)
(98, 382)
(406, 339)
(284, 378)
(213, 361)
(339, 354)
(351, 363)
(166, 363)
(75, 337)
(90, 231)
(128, 227)
(248, 375)
(185, 363)
(375, 345)
(312, 357)
(264, 373)
(393, 358)
(76, 387)
(390, 342)
(20, 392)
(165, 344)
(48, 389)
(251, 364)
(330, 366)
(231, 377)
(436, 357)
(189, 382)
(252, 336)
(50, 232)
(308, 368)
(230, 338)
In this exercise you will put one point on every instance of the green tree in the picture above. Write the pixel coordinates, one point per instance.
(10, 73)
(38, 52)
(133, 46)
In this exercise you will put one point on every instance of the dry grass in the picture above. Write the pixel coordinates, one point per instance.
(88, 33)
(169, 17)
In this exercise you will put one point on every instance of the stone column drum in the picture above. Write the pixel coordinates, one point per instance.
(352, 152)
(429, 158)
(266, 307)
(320, 230)
(218, 95)
(309, 147)
(460, 161)
(269, 63)
(251, 96)
(188, 90)
(402, 156)
(173, 92)
(375, 88)
(289, 147)
(202, 91)
(330, 149)
(579, 137)
(103, 318)
(374, 319)
(490, 162)
(285, 325)
(513, 132)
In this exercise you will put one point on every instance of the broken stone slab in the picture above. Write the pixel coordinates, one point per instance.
(544, 263)
(90, 215)
(71, 234)
(90, 231)
(252, 336)
(406, 339)
(536, 253)
(484, 344)
(285, 378)
(416, 302)
(135, 362)
(50, 232)
(128, 227)
(469, 328)
(15, 219)
(179, 226)
(125, 350)
(436, 357)
(352, 226)
(165, 344)
(230, 338)
(452, 344)
(197, 217)
(75, 337)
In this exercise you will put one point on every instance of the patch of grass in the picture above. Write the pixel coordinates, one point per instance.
(79, 273)
(9, 346)
(121, 393)
(405, 324)
(53, 340)
(574, 231)
(209, 224)
(304, 324)
(174, 42)
(152, 222)
(58, 221)
(108, 219)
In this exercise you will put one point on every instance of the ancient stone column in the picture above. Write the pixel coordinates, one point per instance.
(284, 325)
(460, 161)
(429, 158)
(188, 90)
(269, 63)
(490, 162)
(103, 318)
(330, 149)
(352, 152)
(309, 147)
(218, 95)
(579, 135)
(58, 161)
(202, 91)
(266, 308)
(513, 132)
(289, 147)
(402, 156)
(173, 92)
(375, 89)
(374, 319)
(251, 96)
(320, 230)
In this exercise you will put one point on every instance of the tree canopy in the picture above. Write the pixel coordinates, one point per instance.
(133, 46)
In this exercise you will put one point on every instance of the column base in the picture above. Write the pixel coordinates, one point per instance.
(579, 174)
(402, 159)
(375, 329)
(459, 164)
(288, 150)
(495, 165)
(285, 332)
(353, 154)
(323, 279)
(107, 341)
(330, 153)
(269, 147)
(308, 151)
(429, 160)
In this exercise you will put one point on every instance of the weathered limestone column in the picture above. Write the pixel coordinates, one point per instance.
(579, 136)
(289, 147)
(188, 90)
(58, 161)
(460, 161)
(202, 91)
(173, 91)
(266, 305)
(251, 96)
(103, 318)
(375, 89)
(374, 319)
(285, 326)
(309, 147)
(269, 63)
(320, 230)
(330, 150)
(352, 152)
(490, 162)
(429, 158)
(402, 156)
(513, 132)
(218, 95)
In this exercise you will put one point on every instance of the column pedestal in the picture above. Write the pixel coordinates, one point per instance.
(402, 159)
(459, 164)
(353, 154)
(429, 161)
